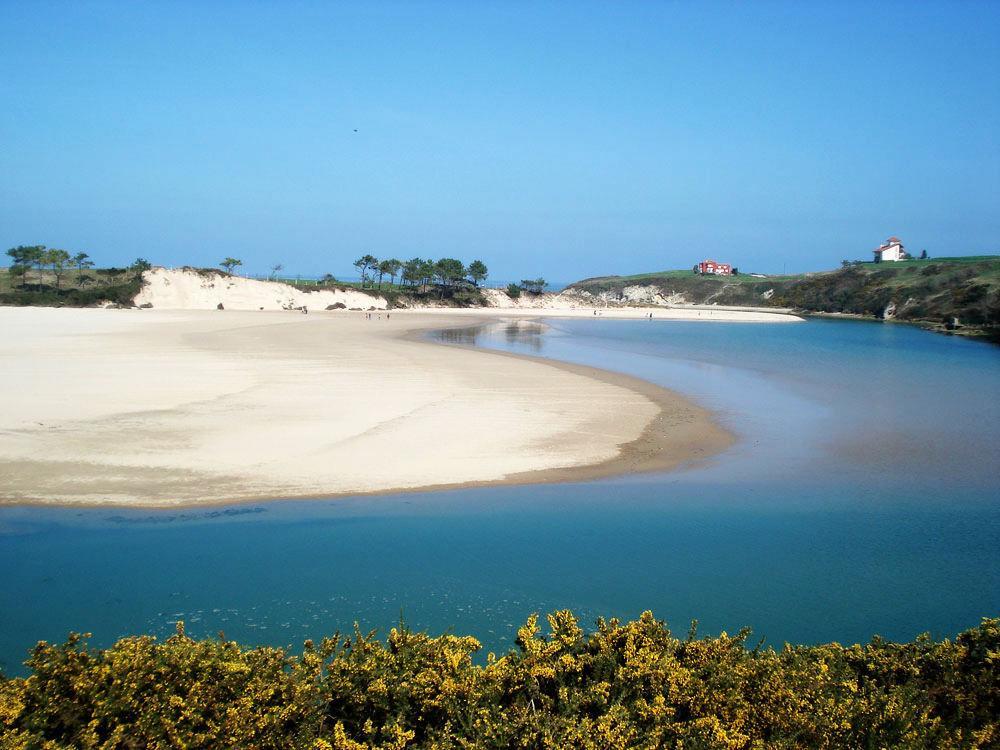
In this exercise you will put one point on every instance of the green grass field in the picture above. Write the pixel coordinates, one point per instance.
(638, 278)
(746, 277)
(951, 259)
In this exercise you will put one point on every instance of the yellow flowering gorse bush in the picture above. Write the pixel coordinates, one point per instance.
(622, 686)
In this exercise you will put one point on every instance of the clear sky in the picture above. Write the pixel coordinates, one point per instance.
(556, 139)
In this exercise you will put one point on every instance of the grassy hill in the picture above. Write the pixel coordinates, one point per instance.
(932, 292)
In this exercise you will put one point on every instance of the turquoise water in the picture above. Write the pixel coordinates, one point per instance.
(862, 497)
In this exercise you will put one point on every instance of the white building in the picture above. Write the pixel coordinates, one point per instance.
(891, 249)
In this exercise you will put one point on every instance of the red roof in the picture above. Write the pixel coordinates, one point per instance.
(893, 239)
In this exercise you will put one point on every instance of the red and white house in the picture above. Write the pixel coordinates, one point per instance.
(890, 250)
(711, 266)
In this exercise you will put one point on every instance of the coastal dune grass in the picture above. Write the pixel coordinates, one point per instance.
(623, 685)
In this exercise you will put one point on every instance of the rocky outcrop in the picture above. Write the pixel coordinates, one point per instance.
(500, 299)
(634, 294)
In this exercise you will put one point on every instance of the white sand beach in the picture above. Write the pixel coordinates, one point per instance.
(159, 407)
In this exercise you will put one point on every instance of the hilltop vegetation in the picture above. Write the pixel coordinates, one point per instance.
(46, 276)
(626, 685)
(38, 275)
(933, 292)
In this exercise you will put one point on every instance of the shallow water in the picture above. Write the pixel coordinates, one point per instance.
(862, 497)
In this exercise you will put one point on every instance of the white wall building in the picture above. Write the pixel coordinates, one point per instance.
(891, 249)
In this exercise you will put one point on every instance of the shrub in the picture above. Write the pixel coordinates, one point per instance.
(119, 294)
(631, 684)
(468, 298)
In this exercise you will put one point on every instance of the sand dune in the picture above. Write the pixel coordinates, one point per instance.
(188, 289)
(155, 407)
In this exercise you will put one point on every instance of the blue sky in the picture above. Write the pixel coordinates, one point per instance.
(555, 139)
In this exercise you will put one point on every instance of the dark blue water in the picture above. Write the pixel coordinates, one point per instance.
(862, 497)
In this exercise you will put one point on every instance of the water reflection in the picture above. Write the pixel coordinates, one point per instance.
(463, 336)
(525, 334)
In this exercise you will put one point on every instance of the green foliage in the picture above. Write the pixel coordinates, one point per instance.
(468, 298)
(477, 271)
(23, 258)
(513, 291)
(21, 270)
(625, 685)
(27, 255)
(444, 279)
(449, 270)
(389, 268)
(228, 264)
(534, 286)
(43, 285)
(82, 262)
(119, 293)
(56, 260)
(413, 271)
(364, 264)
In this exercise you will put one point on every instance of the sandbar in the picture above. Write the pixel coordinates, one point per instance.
(163, 408)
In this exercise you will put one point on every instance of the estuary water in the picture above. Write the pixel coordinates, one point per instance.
(862, 497)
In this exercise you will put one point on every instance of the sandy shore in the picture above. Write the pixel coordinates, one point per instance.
(159, 408)
(690, 313)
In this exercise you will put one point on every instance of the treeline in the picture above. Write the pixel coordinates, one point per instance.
(532, 286)
(39, 275)
(24, 258)
(447, 272)
(626, 685)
